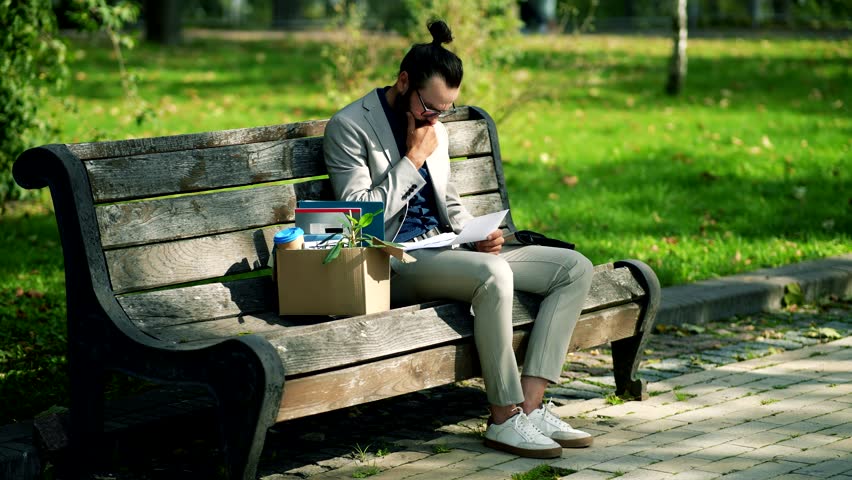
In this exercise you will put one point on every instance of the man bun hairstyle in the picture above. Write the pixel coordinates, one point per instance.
(440, 32)
(426, 60)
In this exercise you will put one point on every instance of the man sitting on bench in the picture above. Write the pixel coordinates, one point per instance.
(390, 146)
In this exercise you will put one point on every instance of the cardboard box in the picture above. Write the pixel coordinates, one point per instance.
(355, 283)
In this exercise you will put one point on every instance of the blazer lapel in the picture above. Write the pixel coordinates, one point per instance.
(439, 171)
(375, 116)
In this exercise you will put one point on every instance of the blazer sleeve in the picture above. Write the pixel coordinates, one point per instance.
(347, 149)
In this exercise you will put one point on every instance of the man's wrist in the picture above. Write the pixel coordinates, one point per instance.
(416, 159)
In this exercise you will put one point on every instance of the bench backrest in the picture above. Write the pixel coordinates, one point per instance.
(202, 208)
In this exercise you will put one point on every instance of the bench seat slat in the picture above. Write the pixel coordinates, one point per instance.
(159, 174)
(429, 368)
(317, 347)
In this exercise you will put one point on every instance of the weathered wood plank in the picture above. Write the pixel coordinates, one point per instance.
(317, 347)
(467, 139)
(602, 326)
(167, 219)
(165, 309)
(193, 170)
(483, 204)
(183, 261)
(416, 371)
(474, 175)
(196, 215)
(179, 261)
(193, 141)
(127, 178)
(388, 378)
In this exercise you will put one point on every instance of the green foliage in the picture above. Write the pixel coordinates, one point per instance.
(683, 396)
(485, 37)
(823, 333)
(354, 236)
(613, 399)
(793, 294)
(441, 448)
(32, 62)
(33, 66)
(543, 472)
(486, 34)
(352, 65)
(367, 471)
(361, 453)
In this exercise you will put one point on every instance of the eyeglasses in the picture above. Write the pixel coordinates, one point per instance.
(429, 113)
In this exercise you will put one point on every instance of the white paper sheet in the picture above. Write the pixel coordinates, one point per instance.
(477, 229)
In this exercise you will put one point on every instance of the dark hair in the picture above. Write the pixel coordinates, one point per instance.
(426, 60)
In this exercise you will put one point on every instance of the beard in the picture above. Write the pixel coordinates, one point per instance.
(402, 105)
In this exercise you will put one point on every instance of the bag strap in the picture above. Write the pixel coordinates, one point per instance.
(528, 237)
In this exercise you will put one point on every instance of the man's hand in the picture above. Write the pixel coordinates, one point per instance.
(421, 141)
(493, 243)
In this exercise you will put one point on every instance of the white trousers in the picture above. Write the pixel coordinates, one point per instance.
(563, 277)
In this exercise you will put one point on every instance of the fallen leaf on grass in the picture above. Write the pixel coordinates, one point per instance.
(570, 180)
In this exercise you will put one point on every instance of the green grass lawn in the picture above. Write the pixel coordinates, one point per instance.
(749, 168)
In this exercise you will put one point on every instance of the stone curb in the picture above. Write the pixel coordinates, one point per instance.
(753, 292)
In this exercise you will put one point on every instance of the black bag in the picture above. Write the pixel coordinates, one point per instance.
(528, 237)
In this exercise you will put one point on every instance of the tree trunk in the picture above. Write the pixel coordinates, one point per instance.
(162, 21)
(677, 66)
(693, 12)
(781, 11)
(754, 12)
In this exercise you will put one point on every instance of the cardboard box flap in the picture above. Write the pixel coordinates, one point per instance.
(394, 251)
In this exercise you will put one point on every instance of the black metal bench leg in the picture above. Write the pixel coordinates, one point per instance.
(86, 417)
(248, 394)
(627, 352)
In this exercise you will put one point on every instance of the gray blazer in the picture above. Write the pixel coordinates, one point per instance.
(364, 164)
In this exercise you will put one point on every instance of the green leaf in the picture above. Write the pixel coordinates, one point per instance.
(827, 333)
(333, 253)
(326, 239)
(693, 329)
(793, 294)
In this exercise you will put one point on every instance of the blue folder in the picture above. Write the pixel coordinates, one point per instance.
(376, 228)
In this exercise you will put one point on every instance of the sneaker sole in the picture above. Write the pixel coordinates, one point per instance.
(575, 442)
(524, 452)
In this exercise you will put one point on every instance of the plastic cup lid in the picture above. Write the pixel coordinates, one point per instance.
(288, 235)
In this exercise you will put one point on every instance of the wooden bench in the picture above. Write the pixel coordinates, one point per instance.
(166, 242)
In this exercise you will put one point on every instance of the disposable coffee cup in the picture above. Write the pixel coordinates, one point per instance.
(290, 239)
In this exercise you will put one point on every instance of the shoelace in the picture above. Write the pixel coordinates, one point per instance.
(524, 426)
(551, 418)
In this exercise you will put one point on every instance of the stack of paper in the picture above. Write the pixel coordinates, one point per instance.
(476, 230)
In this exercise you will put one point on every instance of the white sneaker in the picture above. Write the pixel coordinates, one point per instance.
(519, 436)
(554, 428)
